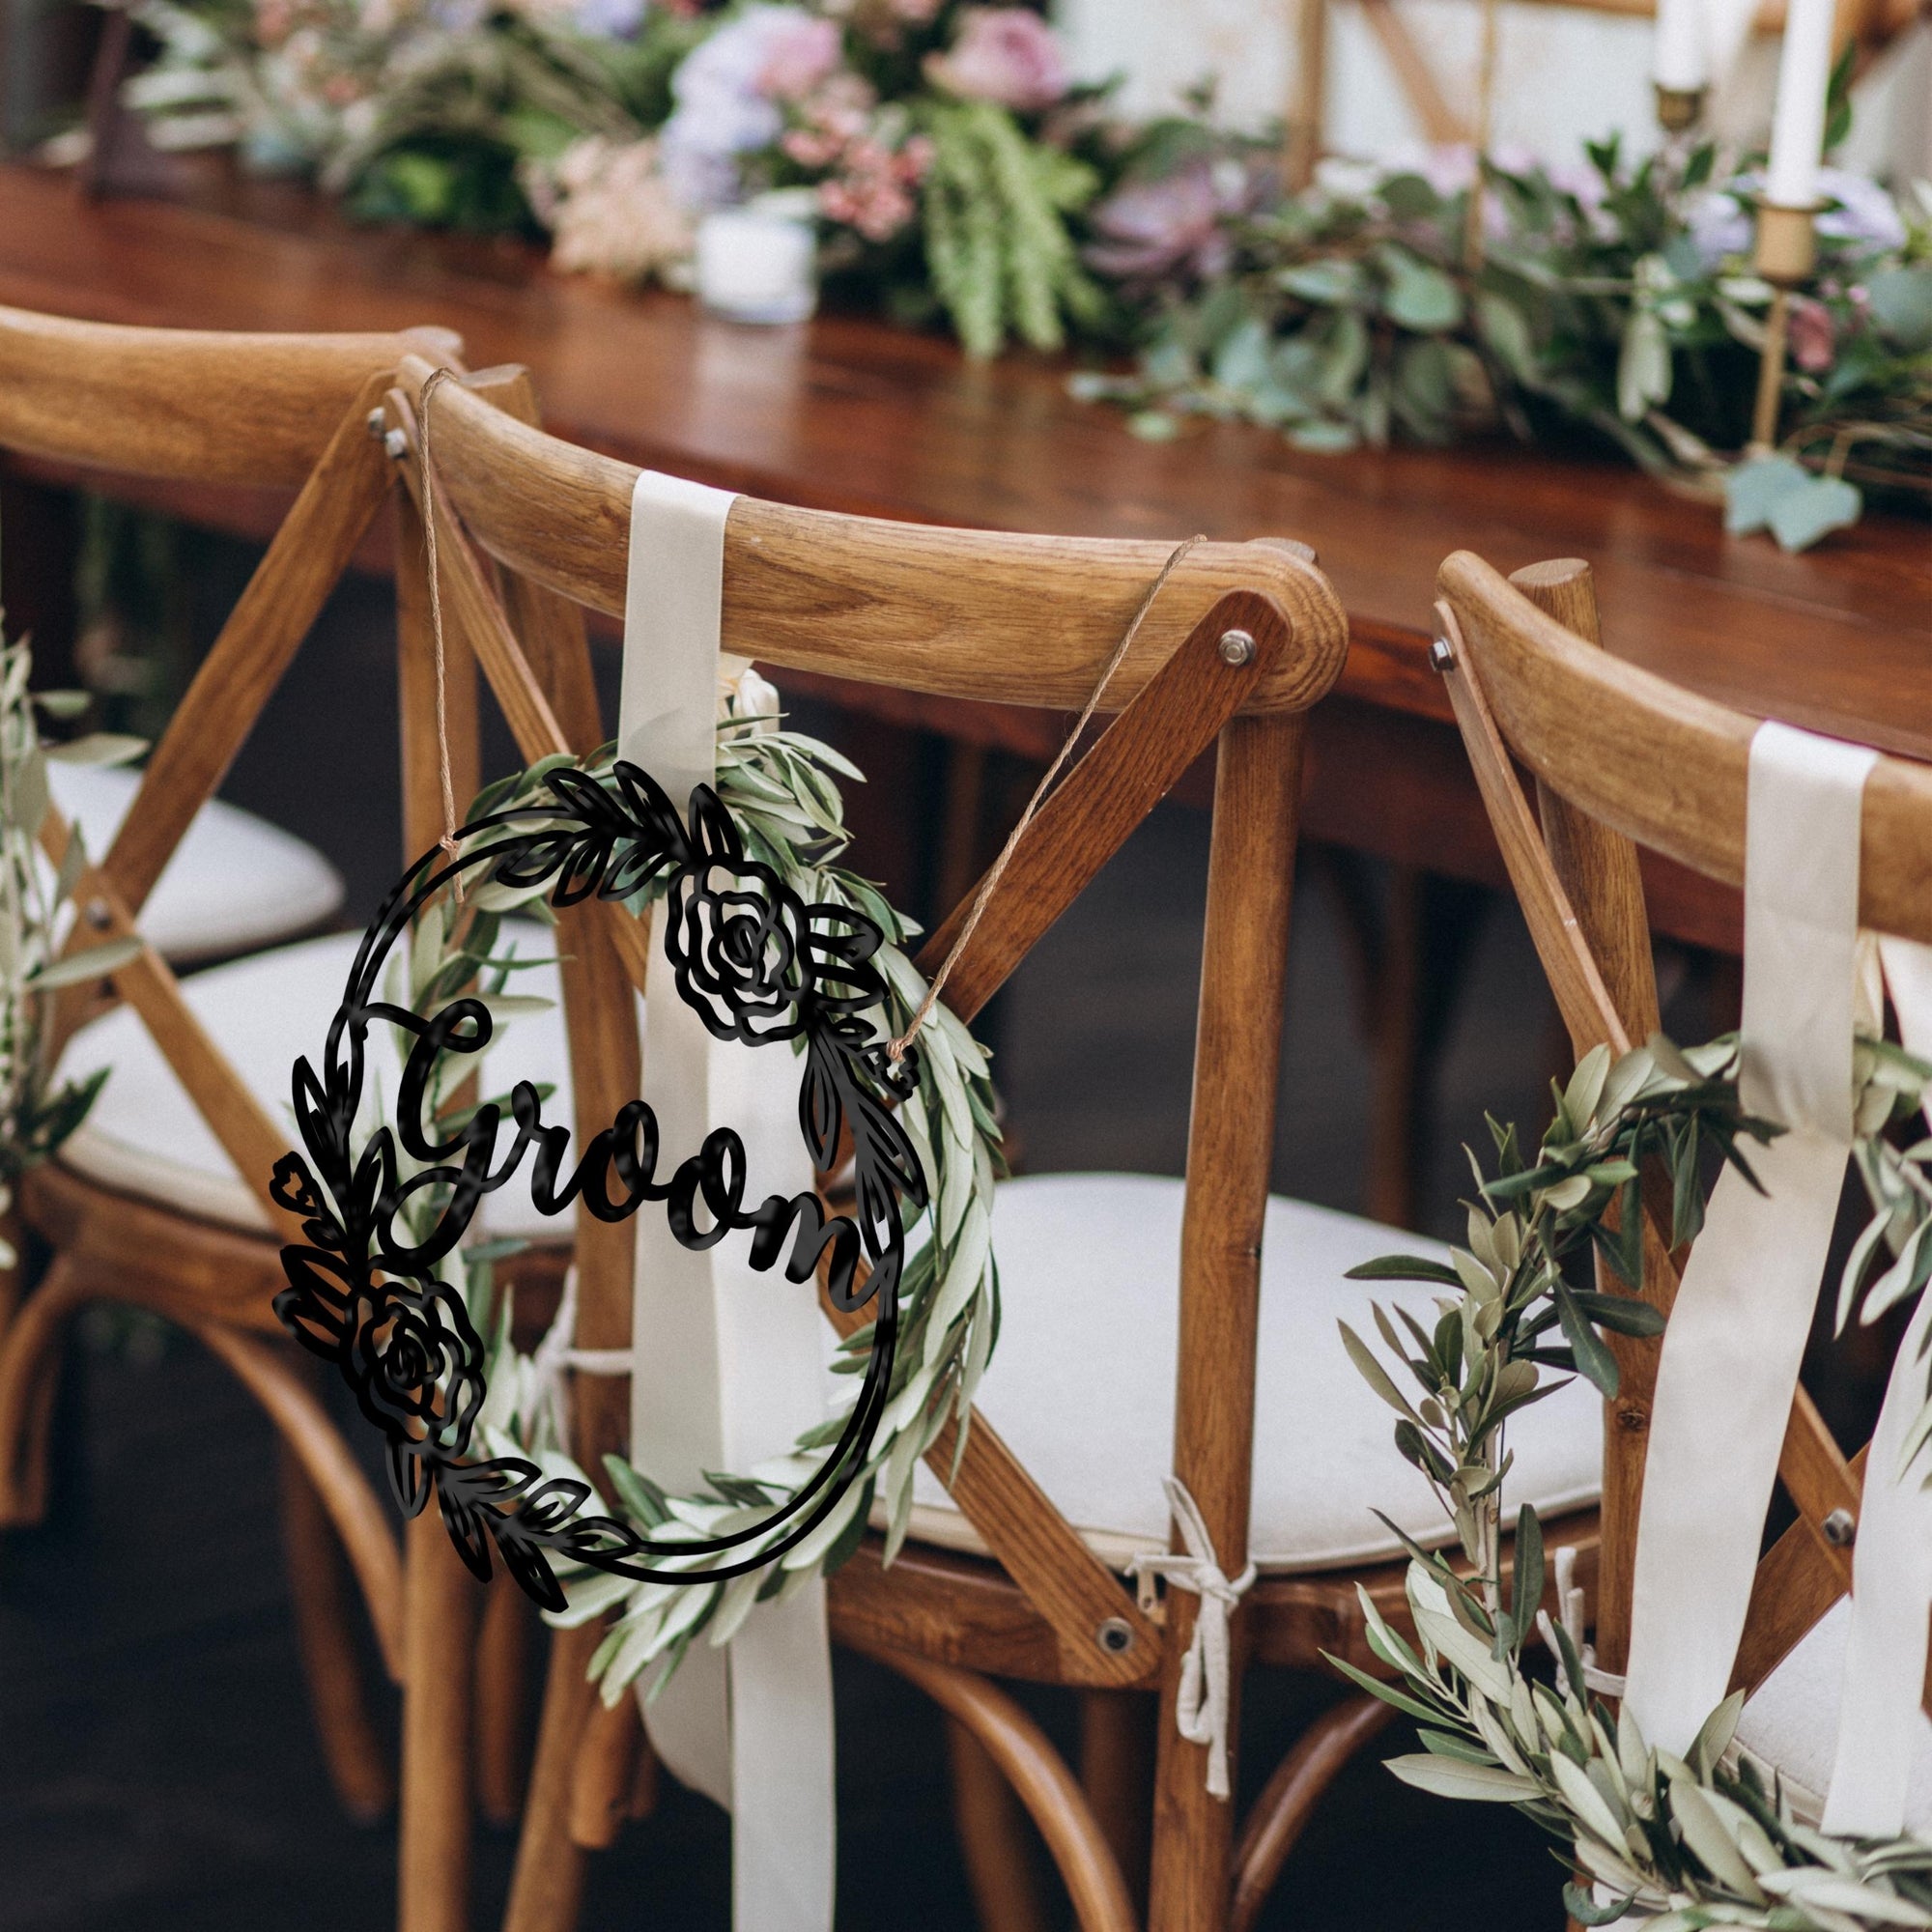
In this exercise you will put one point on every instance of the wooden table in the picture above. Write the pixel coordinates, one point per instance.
(846, 413)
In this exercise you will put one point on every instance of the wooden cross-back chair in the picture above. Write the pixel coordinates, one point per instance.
(1623, 760)
(1029, 620)
(281, 411)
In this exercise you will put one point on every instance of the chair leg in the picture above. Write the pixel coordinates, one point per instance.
(547, 1887)
(1117, 1750)
(360, 1520)
(993, 1840)
(1039, 1776)
(359, 1766)
(615, 1771)
(29, 1369)
(502, 1682)
(1285, 1806)
(441, 1601)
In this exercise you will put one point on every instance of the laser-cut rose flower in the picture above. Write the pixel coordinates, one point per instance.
(416, 1367)
(736, 938)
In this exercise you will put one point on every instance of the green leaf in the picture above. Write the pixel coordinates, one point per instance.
(1242, 359)
(98, 748)
(1778, 493)
(1593, 1358)
(1505, 330)
(1404, 1267)
(1582, 1907)
(1526, 1591)
(1620, 1314)
(1332, 283)
(1643, 365)
(93, 962)
(1409, 197)
(1447, 1778)
(1418, 295)
(1408, 1706)
(1826, 504)
(1901, 306)
(1374, 1373)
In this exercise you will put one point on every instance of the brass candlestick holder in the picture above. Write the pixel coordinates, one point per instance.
(1679, 109)
(1787, 251)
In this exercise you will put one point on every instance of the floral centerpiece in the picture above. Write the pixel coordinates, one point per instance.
(943, 146)
(1610, 298)
(956, 172)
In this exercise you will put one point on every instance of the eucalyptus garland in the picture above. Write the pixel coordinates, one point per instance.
(928, 1225)
(1677, 1843)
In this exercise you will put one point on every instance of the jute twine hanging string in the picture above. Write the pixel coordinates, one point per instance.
(896, 1048)
(989, 884)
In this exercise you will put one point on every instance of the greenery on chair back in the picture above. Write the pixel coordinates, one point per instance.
(1676, 1843)
(37, 1111)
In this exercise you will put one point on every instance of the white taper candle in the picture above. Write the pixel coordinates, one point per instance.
(1798, 127)
(1682, 62)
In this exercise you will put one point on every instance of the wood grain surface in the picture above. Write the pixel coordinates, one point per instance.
(848, 415)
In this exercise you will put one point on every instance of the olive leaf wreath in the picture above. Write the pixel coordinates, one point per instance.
(760, 962)
(1676, 1843)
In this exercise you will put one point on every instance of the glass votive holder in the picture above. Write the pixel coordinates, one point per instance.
(758, 263)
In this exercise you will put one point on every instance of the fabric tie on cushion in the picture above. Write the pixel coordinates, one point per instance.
(1891, 1560)
(725, 1367)
(1735, 1337)
(1201, 1705)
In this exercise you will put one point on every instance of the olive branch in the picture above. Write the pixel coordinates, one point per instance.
(1682, 1843)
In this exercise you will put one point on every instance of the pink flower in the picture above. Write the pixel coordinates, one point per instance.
(1814, 342)
(801, 50)
(1007, 55)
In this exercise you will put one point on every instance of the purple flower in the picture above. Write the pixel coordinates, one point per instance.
(726, 93)
(611, 20)
(1148, 229)
(1007, 55)
(1865, 211)
(1721, 225)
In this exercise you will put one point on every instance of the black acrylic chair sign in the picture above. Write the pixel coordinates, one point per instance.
(758, 965)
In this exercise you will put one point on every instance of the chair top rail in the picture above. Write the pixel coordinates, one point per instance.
(966, 613)
(197, 405)
(1659, 763)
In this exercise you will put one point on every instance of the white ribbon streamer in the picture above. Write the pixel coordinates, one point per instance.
(727, 1369)
(1891, 1561)
(1200, 1706)
(1731, 1353)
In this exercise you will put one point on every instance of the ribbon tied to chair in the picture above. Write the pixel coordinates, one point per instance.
(1201, 1702)
(723, 1375)
(1736, 1338)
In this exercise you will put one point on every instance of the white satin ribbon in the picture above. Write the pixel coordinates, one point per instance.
(1731, 1353)
(1891, 1561)
(727, 1365)
(1201, 1701)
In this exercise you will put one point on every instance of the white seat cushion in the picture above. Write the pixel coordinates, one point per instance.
(1792, 1724)
(232, 884)
(145, 1137)
(1081, 1385)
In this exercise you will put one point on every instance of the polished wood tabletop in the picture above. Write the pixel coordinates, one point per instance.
(847, 413)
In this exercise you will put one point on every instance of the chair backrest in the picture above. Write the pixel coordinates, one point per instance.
(203, 408)
(186, 405)
(970, 614)
(1623, 760)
